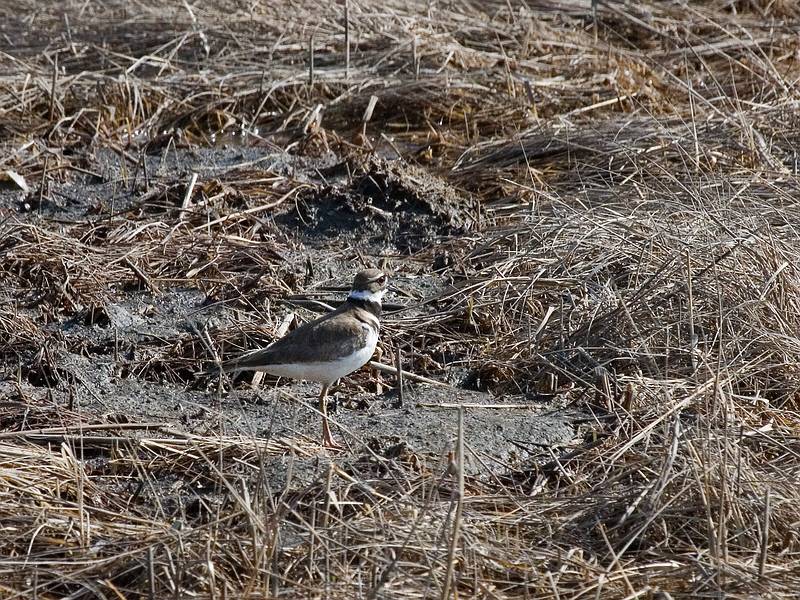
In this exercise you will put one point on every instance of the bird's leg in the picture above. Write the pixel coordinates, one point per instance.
(327, 438)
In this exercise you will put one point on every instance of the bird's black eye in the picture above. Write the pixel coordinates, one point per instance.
(382, 279)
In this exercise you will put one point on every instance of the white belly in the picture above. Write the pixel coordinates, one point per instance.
(327, 371)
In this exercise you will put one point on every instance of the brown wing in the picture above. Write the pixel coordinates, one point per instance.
(327, 338)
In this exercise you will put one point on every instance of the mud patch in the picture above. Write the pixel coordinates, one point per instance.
(500, 435)
(391, 204)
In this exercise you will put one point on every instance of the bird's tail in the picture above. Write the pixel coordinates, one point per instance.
(251, 360)
(217, 368)
(211, 370)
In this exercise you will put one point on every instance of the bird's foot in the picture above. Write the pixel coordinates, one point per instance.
(328, 441)
(332, 445)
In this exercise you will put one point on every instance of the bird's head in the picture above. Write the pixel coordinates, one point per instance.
(369, 284)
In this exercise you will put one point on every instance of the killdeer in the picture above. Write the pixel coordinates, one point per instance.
(326, 349)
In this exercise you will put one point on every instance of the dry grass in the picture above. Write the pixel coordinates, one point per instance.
(637, 178)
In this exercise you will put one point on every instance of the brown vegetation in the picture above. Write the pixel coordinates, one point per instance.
(617, 218)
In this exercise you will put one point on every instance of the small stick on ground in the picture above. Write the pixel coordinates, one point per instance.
(471, 405)
(347, 39)
(151, 573)
(406, 374)
(373, 101)
(451, 554)
(399, 367)
(602, 384)
(311, 60)
(43, 182)
(692, 335)
(83, 428)
(142, 276)
(762, 559)
(627, 396)
(53, 88)
(187, 197)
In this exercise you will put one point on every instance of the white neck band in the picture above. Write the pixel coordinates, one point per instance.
(375, 297)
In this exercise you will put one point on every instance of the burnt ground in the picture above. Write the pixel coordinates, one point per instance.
(109, 361)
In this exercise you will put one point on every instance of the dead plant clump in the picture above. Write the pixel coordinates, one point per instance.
(620, 237)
